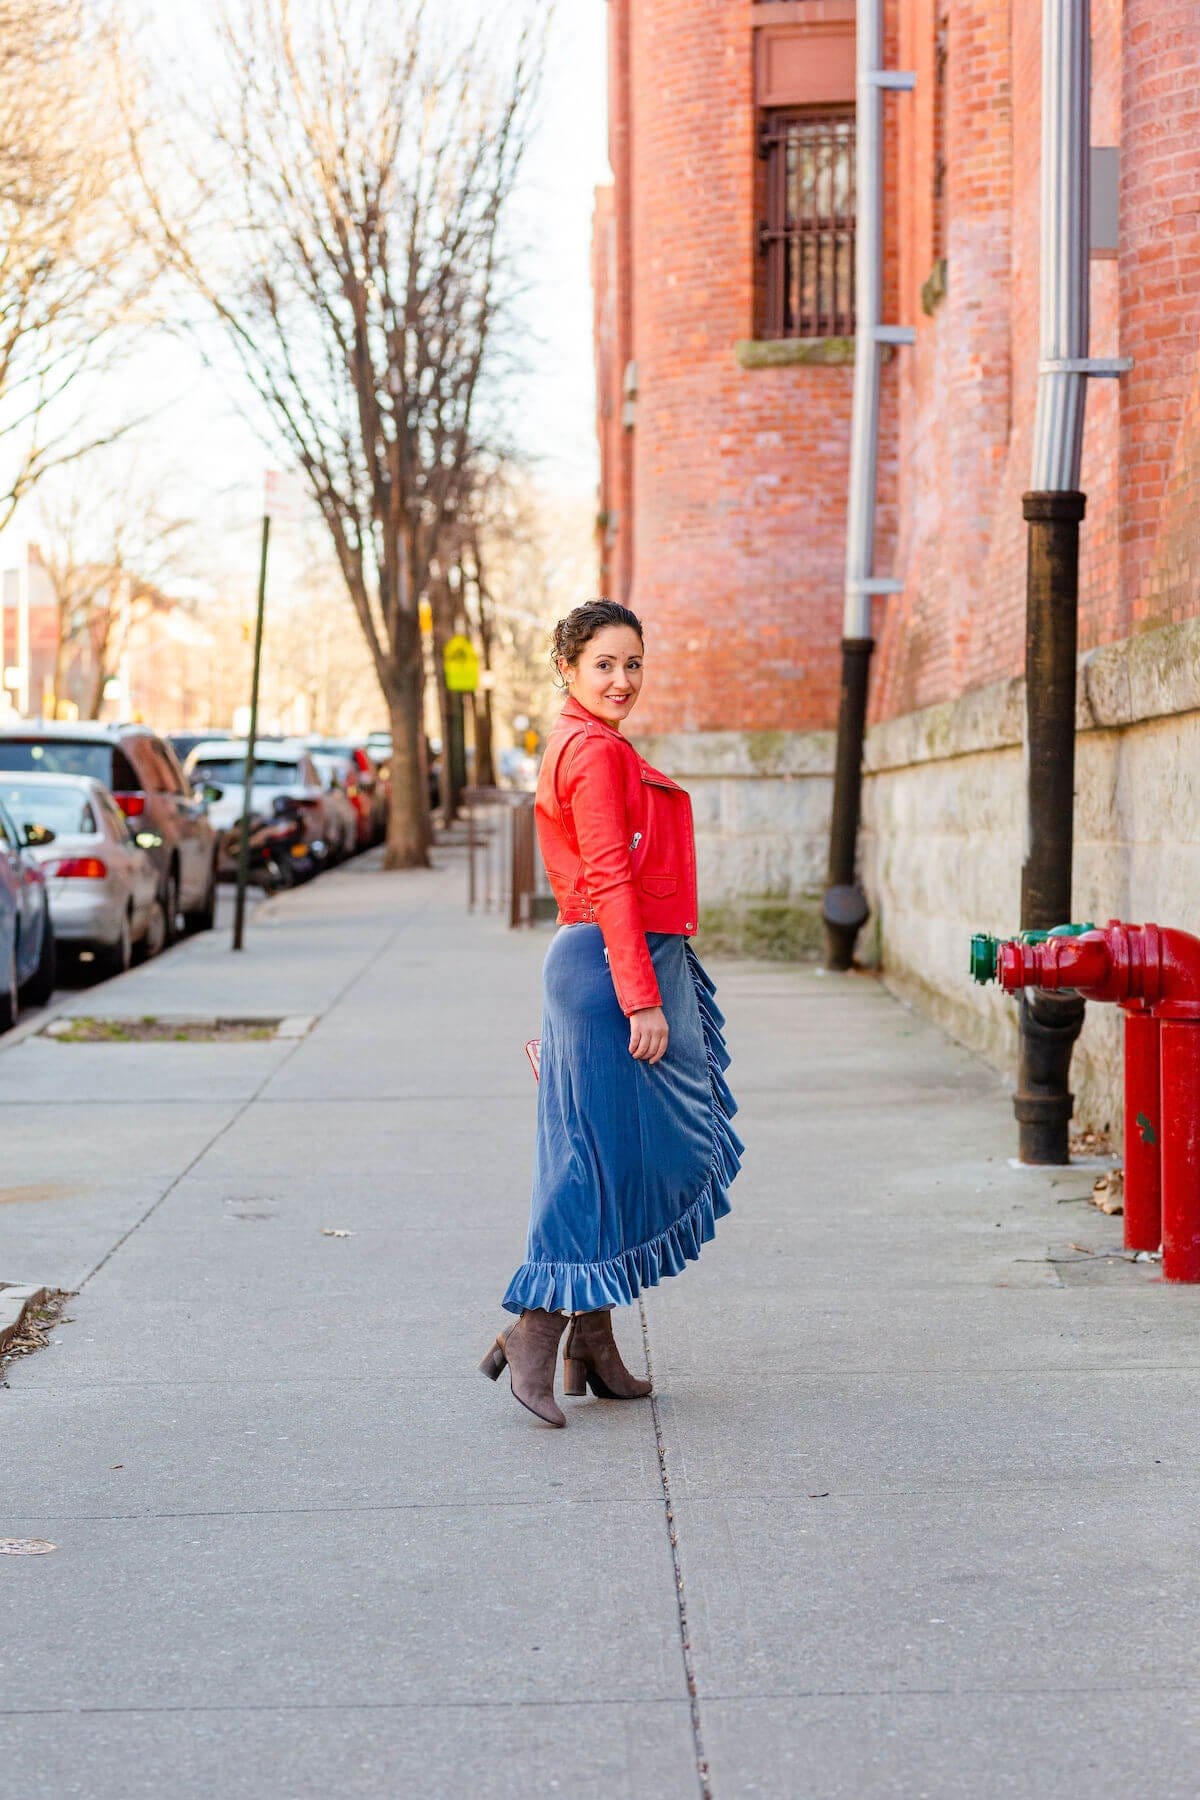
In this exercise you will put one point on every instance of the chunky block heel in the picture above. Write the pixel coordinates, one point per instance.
(529, 1351)
(591, 1360)
(574, 1377)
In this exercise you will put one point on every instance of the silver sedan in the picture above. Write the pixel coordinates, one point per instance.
(102, 888)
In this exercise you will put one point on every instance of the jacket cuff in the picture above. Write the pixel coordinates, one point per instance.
(638, 995)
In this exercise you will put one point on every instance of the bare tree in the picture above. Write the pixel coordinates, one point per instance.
(108, 548)
(345, 228)
(74, 266)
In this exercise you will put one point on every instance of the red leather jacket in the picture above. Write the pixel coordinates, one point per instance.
(617, 841)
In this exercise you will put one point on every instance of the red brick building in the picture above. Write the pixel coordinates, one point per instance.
(723, 419)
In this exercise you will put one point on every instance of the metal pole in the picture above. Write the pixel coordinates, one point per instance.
(1054, 508)
(239, 914)
(844, 907)
(454, 762)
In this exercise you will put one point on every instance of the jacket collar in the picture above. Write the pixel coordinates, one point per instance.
(573, 710)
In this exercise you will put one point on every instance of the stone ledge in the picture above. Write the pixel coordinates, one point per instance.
(711, 755)
(1151, 676)
(788, 353)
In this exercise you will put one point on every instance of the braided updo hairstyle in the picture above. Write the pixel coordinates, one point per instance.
(581, 625)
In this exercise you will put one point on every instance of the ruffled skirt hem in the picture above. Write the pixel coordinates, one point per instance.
(593, 1286)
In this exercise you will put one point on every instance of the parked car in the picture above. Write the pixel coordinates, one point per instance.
(102, 887)
(518, 769)
(287, 806)
(347, 812)
(27, 953)
(184, 742)
(372, 781)
(145, 779)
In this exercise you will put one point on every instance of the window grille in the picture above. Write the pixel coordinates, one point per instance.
(808, 237)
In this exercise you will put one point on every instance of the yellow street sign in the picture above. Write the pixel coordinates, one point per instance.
(461, 665)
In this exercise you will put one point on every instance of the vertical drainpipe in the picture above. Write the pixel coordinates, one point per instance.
(844, 906)
(1054, 508)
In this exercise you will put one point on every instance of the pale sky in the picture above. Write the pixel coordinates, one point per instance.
(212, 459)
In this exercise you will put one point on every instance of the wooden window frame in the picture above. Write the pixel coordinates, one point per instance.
(807, 246)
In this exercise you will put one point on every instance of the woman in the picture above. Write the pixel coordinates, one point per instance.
(634, 1143)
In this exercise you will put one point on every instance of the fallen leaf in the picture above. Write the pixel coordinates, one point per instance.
(1108, 1192)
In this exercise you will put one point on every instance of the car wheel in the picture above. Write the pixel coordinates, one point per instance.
(155, 934)
(9, 1003)
(170, 906)
(40, 986)
(116, 959)
(278, 875)
(205, 917)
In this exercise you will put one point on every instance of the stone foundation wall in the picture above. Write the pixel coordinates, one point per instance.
(761, 805)
(942, 844)
(943, 837)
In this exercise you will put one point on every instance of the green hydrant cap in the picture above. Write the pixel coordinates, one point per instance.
(984, 953)
(985, 949)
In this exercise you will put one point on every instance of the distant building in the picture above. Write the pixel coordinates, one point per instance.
(723, 409)
(27, 603)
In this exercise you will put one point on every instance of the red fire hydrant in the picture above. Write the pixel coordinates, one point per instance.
(1153, 974)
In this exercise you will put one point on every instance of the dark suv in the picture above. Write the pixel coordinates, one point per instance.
(144, 776)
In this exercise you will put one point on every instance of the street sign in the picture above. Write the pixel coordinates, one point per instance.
(461, 665)
(283, 495)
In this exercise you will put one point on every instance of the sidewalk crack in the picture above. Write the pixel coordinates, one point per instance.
(685, 1641)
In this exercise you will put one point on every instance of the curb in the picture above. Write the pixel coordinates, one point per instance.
(15, 1304)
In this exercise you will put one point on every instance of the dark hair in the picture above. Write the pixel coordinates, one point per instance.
(581, 625)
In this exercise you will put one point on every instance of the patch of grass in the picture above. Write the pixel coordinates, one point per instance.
(767, 929)
(87, 1029)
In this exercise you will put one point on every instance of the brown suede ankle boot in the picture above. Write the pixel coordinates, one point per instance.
(591, 1359)
(530, 1348)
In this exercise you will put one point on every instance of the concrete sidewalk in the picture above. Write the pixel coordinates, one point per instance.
(915, 1511)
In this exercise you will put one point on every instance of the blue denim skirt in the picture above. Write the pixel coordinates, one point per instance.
(632, 1162)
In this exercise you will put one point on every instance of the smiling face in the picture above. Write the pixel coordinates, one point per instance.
(608, 675)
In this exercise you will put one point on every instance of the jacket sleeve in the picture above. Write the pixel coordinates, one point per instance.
(594, 792)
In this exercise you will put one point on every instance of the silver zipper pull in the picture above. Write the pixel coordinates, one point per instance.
(635, 840)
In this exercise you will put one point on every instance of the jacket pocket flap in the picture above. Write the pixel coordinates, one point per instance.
(658, 885)
(652, 778)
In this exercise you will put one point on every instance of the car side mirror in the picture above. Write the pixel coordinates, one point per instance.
(36, 836)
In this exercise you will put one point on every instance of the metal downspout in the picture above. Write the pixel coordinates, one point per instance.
(844, 906)
(1053, 509)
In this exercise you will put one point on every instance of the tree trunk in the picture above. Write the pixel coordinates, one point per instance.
(407, 844)
(485, 769)
(96, 698)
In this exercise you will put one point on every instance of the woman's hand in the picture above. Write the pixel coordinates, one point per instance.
(648, 1033)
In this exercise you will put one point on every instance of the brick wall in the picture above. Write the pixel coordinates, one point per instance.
(967, 391)
(1160, 307)
(734, 525)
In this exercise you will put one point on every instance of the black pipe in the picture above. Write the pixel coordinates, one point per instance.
(1050, 1023)
(844, 908)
